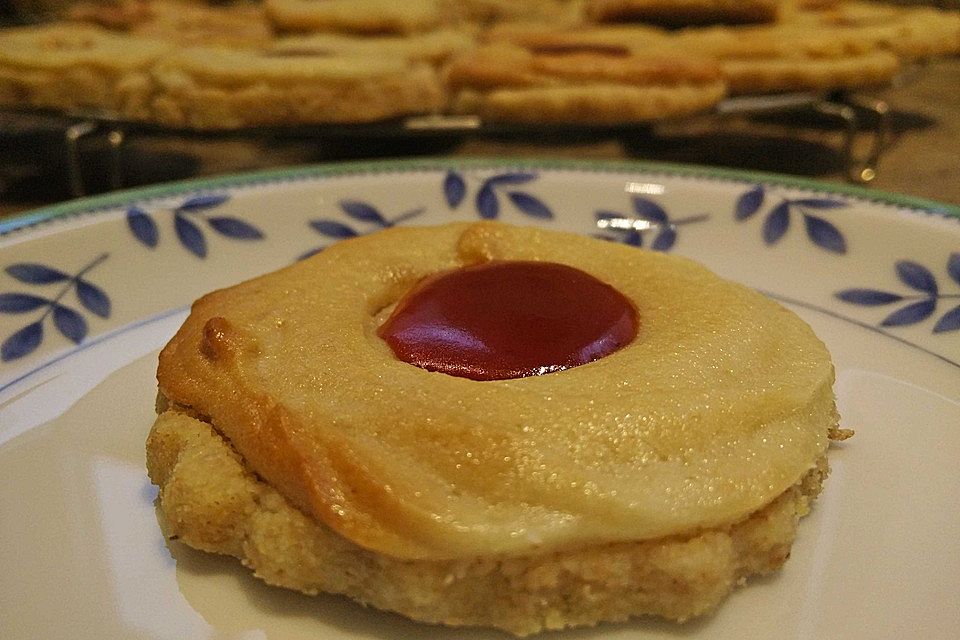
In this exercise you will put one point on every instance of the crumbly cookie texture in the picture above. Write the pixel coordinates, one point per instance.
(209, 499)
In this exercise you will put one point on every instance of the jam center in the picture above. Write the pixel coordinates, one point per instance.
(509, 319)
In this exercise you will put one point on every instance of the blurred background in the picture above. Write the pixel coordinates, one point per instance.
(902, 137)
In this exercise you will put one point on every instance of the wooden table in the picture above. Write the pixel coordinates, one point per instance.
(921, 156)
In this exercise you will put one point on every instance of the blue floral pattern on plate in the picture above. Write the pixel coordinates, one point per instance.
(530, 193)
(187, 219)
(488, 197)
(68, 321)
(820, 231)
(916, 307)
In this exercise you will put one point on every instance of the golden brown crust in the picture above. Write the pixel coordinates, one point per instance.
(180, 22)
(369, 17)
(759, 76)
(434, 47)
(220, 88)
(76, 67)
(574, 71)
(210, 500)
(506, 82)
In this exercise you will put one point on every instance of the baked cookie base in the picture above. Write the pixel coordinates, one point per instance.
(210, 500)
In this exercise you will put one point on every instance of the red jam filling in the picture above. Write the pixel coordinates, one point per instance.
(509, 319)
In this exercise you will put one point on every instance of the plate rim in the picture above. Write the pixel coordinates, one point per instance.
(34, 218)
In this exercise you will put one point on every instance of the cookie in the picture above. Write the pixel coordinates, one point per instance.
(503, 82)
(354, 16)
(179, 22)
(544, 37)
(776, 59)
(213, 88)
(820, 75)
(493, 12)
(78, 68)
(647, 478)
(913, 33)
(434, 47)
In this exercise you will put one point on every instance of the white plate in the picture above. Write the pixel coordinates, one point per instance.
(89, 291)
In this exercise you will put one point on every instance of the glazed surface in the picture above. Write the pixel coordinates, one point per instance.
(721, 403)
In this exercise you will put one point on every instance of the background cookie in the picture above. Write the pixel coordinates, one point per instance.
(219, 88)
(353, 16)
(503, 82)
(74, 67)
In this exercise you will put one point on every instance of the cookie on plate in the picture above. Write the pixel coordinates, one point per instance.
(302, 431)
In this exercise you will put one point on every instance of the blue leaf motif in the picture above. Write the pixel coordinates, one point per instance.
(70, 323)
(953, 267)
(868, 297)
(777, 223)
(235, 228)
(949, 322)
(333, 229)
(665, 239)
(511, 178)
(363, 212)
(633, 238)
(142, 226)
(530, 205)
(310, 253)
(20, 302)
(649, 210)
(33, 273)
(93, 298)
(190, 236)
(819, 203)
(22, 343)
(202, 203)
(749, 203)
(824, 234)
(487, 204)
(916, 276)
(911, 314)
(454, 189)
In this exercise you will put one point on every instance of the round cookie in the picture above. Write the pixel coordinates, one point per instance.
(717, 413)
(72, 67)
